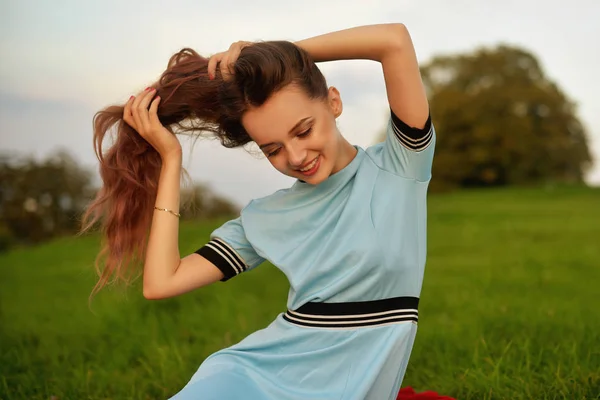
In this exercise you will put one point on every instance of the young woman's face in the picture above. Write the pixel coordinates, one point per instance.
(297, 134)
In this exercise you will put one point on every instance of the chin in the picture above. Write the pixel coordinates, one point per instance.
(312, 180)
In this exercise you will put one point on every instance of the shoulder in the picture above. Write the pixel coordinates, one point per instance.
(374, 151)
(271, 202)
(376, 154)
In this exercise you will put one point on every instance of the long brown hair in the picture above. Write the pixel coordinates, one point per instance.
(191, 104)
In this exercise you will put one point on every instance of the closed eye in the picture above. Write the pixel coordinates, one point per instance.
(305, 133)
(300, 135)
(274, 152)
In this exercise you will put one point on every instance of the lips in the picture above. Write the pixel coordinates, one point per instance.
(308, 165)
(311, 168)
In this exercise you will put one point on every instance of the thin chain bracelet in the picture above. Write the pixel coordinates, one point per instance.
(167, 210)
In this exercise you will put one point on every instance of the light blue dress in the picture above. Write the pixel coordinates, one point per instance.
(358, 236)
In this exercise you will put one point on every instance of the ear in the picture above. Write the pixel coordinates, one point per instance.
(334, 100)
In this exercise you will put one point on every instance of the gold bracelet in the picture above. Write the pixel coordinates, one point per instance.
(167, 210)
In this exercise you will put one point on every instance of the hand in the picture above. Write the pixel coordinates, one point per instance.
(226, 60)
(145, 121)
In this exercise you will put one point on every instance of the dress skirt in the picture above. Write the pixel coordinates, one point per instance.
(319, 354)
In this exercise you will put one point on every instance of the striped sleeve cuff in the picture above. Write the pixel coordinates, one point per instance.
(414, 139)
(224, 257)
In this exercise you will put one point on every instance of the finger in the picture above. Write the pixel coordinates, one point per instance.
(127, 116)
(153, 113)
(224, 66)
(212, 64)
(143, 108)
(237, 48)
(135, 113)
(233, 56)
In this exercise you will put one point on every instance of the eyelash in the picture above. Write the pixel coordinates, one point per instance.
(305, 133)
(300, 135)
(273, 153)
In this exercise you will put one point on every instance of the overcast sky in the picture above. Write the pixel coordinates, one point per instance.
(63, 60)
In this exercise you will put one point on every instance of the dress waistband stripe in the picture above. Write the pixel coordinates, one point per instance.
(356, 314)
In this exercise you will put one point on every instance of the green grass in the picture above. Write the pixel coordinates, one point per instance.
(508, 309)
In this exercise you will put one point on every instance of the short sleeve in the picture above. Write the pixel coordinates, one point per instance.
(229, 250)
(408, 151)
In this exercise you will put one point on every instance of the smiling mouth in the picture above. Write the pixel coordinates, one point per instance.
(311, 168)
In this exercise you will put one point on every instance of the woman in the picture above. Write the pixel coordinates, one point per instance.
(350, 233)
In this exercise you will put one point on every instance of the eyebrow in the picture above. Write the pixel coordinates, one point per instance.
(303, 120)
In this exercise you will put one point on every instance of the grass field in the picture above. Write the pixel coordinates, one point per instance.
(509, 309)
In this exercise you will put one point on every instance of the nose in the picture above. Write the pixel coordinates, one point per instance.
(296, 156)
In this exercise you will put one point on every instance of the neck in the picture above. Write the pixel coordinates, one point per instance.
(347, 152)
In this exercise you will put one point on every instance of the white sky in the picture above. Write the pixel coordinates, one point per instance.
(63, 60)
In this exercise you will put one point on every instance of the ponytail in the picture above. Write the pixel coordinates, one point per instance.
(130, 167)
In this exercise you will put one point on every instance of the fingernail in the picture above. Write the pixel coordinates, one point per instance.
(132, 97)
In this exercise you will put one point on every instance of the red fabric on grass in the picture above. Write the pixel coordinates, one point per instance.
(408, 393)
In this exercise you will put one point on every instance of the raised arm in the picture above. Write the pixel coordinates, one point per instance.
(389, 44)
(407, 150)
(165, 273)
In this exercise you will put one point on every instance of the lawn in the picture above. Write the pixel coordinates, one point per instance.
(508, 309)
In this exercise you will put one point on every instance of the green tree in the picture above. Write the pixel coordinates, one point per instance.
(501, 121)
(41, 199)
(199, 202)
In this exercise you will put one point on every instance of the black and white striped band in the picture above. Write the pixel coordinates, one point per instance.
(355, 314)
(412, 138)
(224, 257)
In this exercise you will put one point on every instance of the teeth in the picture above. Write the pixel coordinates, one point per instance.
(310, 166)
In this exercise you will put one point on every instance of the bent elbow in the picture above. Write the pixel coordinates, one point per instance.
(399, 36)
(150, 294)
(154, 292)
(399, 29)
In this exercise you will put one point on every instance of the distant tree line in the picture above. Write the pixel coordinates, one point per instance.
(41, 199)
(501, 121)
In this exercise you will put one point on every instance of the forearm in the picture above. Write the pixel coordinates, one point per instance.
(371, 42)
(162, 254)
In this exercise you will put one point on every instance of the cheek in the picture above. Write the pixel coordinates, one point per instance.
(329, 138)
